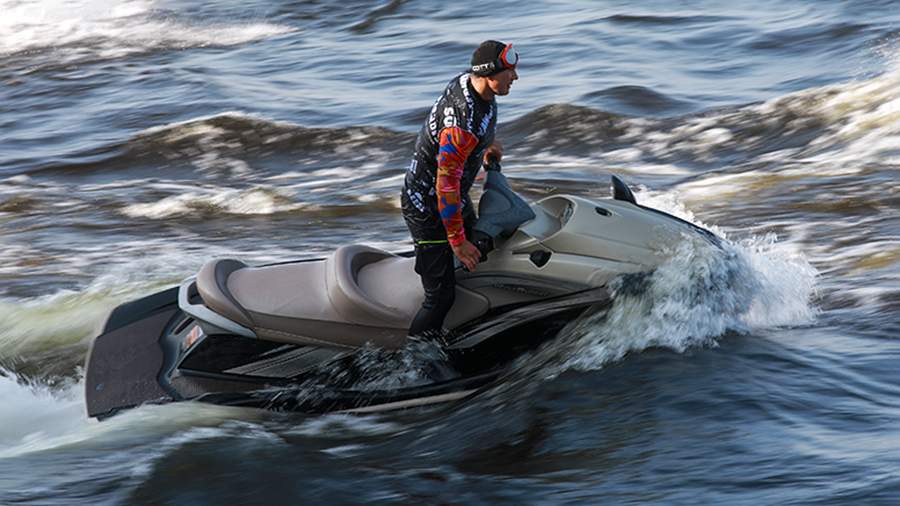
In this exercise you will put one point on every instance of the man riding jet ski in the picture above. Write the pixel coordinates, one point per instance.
(260, 335)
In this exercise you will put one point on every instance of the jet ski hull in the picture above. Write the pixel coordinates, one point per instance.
(151, 352)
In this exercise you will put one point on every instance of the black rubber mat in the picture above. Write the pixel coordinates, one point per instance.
(123, 366)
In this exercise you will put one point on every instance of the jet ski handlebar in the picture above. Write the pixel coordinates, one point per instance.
(484, 241)
(500, 210)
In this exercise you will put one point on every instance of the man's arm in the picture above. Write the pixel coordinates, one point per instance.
(455, 146)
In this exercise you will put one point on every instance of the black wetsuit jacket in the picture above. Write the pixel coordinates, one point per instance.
(472, 121)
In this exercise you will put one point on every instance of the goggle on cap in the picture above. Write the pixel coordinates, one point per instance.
(492, 57)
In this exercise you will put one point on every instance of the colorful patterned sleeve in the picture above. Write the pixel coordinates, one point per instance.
(455, 146)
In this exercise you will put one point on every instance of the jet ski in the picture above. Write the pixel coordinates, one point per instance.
(288, 336)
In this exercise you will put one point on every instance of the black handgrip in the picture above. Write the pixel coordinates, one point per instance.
(492, 163)
(483, 242)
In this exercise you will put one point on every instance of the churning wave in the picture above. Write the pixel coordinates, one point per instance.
(836, 126)
(82, 29)
(237, 132)
(67, 318)
(694, 299)
(833, 124)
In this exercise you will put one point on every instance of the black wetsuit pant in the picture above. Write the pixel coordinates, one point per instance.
(434, 264)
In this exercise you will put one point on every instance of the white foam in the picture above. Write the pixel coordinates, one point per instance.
(873, 250)
(62, 319)
(180, 130)
(868, 299)
(672, 203)
(114, 29)
(873, 269)
(329, 179)
(786, 283)
(388, 182)
(720, 185)
(862, 118)
(339, 173)
(344, 451)
(259, 200)
(65, 317)
(695, 298)
(37, 418)
(121, 184)
(624, 160)
(714, 136)
(857, 121)
(34, 415)
(16, 257)
(16, 180)
(346, 426)
(697, 135)
(738, 185)
(630, 154)
(69, 316)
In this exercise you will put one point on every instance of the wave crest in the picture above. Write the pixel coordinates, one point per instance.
(82, 29)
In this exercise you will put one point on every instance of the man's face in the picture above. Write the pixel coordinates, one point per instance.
(501, 81)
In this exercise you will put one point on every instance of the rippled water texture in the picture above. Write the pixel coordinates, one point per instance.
(141, 138)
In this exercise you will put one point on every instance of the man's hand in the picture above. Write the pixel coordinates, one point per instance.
(468, 254)
(495, 150)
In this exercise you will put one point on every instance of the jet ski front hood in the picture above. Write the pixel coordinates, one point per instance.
(577, 240)
(608, 229)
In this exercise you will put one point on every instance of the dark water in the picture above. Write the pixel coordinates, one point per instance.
(141, 138)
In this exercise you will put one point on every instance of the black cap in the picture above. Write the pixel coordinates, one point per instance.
(486, 57)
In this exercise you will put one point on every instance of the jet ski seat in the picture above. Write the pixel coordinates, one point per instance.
(359, 294)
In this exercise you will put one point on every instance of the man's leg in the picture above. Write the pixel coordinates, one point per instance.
(434, 263)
